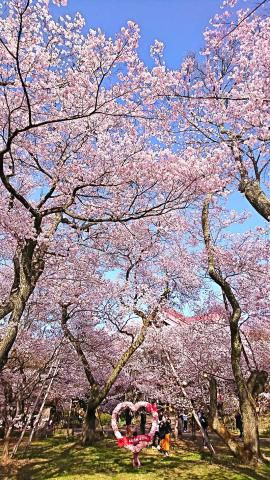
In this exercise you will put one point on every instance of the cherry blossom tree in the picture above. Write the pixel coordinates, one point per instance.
(24, 381)
(218, 110)
(78, 118)
(128, 306)
(238, 272)
(101, 160)
(219, 102)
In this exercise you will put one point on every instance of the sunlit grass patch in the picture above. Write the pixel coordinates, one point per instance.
(60, 459)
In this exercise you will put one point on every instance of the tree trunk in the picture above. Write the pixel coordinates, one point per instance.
(251, 453)
(251, 187)
(5, 454)
(89, 426)
(12, 329)
(217, 425)
(246, 393)
(28, 264)
(256, 197)
(98, 393)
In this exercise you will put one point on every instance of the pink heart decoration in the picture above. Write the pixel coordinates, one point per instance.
(137, 443)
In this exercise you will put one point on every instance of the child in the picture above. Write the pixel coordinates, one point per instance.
(166, 437)
(135, 461)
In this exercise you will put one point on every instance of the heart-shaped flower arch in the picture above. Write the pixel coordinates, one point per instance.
(136, 443)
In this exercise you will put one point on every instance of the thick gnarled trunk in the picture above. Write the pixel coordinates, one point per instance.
(28, 263)
(217, 424)
(251, 187)
(256, 197)
(89, 426)
(249, 451)
(13, 324)
(247, 391)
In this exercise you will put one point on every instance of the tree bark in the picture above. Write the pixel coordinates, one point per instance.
(217, 425)
(251, 451)
(251, 187)
(246, 393)
(247, 389)
(5, 454)
(256, 197)
(89, 425)
(29, 263)
(28, 266)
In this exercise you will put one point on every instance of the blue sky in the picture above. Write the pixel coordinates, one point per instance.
(177, 23)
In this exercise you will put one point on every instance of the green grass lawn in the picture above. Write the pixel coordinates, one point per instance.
(59, 459)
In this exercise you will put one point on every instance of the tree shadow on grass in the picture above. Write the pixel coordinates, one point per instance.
(226, 460)
(57, 459)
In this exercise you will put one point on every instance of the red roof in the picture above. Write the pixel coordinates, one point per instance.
(171, 315)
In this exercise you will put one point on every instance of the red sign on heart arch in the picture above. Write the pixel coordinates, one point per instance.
(136, 443)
